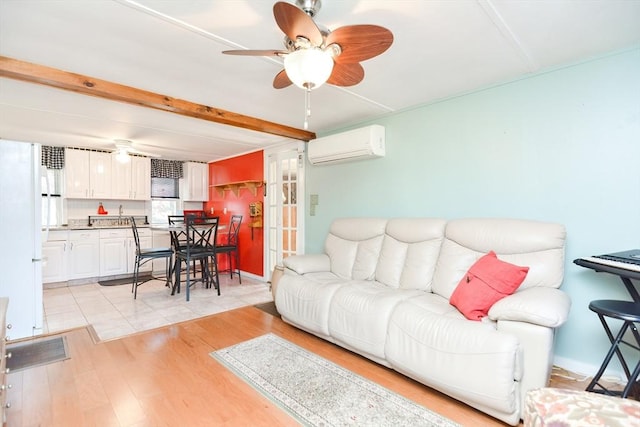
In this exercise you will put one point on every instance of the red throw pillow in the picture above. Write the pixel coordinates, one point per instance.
(487, 281)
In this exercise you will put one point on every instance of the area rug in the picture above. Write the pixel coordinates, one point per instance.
(36, 353)
(124, 281)
(317, 392)
(268, 307)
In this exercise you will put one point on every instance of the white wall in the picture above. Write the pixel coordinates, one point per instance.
(561, 146)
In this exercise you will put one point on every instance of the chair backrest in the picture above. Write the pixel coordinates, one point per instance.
(178, 237)
(134, 228)
(201, 233)
(176, 219)
(234, 229)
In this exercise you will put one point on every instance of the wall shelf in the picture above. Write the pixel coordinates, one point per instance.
(235, 187)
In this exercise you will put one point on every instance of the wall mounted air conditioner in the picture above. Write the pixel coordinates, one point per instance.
(357, 144)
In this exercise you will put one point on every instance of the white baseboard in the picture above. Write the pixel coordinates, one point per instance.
(249, 275)
(588, 370)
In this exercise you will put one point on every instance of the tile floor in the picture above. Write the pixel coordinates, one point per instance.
(113, 313)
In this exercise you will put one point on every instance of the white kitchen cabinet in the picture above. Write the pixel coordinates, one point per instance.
(140, 178)
(113, 251)
(87, 174)
(131, 180)
(120, 178)
(195, 182)
(76, 173)
(4, 355)
(161, 239)
(146, 241)
(54, 257)
(83, 256)
(118, 251)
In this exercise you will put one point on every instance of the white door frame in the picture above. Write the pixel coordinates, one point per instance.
(269, 154)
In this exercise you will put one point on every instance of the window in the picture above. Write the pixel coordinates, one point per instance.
(165, 188)
(165, 193)
(51, 184)
(162, 208)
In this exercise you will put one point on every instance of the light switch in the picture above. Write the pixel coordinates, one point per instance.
(313, 200)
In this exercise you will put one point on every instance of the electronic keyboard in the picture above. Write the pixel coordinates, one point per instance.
(612, 260)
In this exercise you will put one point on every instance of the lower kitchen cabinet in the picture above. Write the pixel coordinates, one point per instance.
(4, 386)
(113, 252)
(54, 257)
(146, 241)
(84, 254)
(118, 251)
(161, 239)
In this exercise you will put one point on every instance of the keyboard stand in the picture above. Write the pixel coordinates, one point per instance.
(629, 313)
(625, 275)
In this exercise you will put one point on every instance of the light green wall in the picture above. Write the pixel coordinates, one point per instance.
(561, 146)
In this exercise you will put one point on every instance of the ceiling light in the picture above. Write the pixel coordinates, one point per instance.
(122, 156)
(308, 68)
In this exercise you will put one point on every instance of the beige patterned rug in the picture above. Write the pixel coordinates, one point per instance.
(317, 392)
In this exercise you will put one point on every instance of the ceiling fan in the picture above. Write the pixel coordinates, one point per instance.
(124, 148)
(314, 55)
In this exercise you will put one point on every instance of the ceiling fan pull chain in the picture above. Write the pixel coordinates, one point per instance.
(307, 107)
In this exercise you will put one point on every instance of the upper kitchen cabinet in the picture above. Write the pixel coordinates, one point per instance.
(141, 178)
(131, 180)
(196, 182)
(87, 174)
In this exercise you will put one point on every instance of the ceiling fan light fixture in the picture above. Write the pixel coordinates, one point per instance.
(308, 68)
(122, 156)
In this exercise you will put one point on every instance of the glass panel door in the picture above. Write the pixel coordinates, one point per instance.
(285, 216)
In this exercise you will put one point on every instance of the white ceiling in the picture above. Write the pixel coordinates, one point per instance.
(441, 49)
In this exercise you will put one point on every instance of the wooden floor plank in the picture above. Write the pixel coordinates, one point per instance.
(167, 377)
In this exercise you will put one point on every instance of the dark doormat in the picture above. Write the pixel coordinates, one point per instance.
(35, 353)
(125, 281)
(268, 307)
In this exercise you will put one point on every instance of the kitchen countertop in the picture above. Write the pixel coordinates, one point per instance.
(93, 227)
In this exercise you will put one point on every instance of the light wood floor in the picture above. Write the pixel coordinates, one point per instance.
(165, 377)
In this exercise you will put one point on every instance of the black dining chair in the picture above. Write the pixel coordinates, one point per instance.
(144, 255)
(230, 247)
(200, 236)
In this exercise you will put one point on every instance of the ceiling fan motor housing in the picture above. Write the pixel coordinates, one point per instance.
(310, 7)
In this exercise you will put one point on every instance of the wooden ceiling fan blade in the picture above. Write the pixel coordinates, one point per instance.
(294, 22)
(281, 80)
(346, 74)
(360, 42)
(249, 52)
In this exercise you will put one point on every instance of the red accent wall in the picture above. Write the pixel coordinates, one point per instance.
(249, 167)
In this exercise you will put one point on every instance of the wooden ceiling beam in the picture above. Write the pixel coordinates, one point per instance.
(34, 73)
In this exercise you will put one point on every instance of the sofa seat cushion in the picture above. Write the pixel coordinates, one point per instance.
(470, 361)
(359, 314)
(305, 302)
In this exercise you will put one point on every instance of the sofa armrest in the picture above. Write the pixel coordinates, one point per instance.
(540, 305)
(308, 263)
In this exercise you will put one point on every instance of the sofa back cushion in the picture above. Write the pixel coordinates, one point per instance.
(353, 246)
(533, 244)
(409, 252)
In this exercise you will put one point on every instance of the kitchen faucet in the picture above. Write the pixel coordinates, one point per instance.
(120, 215)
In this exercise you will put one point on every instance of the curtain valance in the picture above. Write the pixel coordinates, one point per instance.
(52, 157)
(166, 168)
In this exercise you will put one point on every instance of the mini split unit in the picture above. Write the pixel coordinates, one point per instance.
(357, 144)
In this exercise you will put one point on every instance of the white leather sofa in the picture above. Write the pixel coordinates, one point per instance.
(382, 287)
